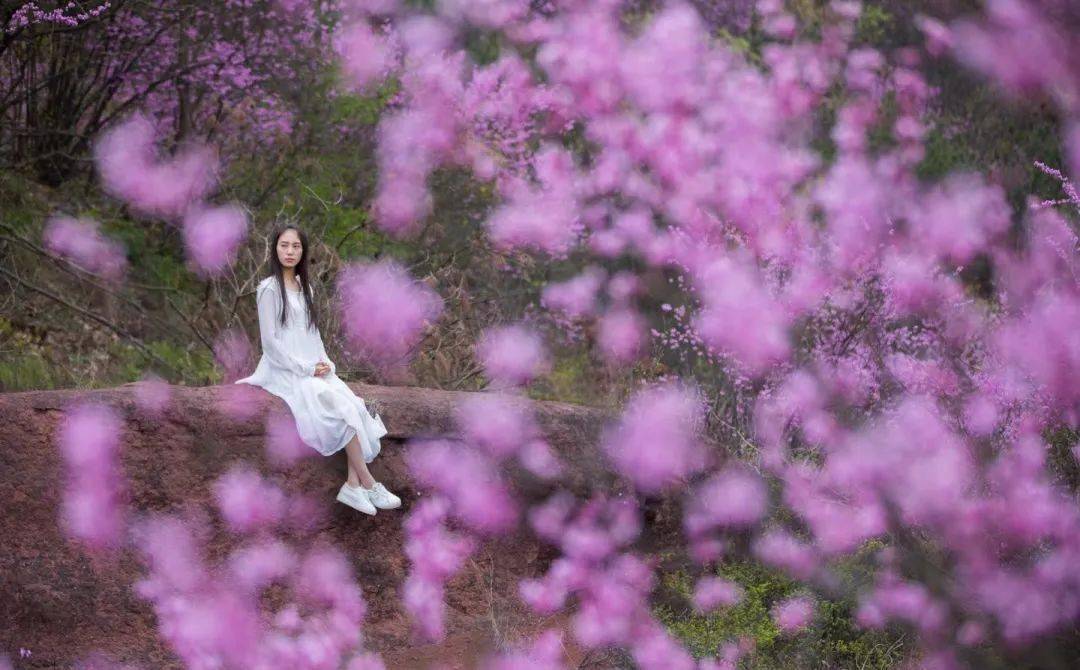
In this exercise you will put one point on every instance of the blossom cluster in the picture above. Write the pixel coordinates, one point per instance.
(888, 393)
(67, 15)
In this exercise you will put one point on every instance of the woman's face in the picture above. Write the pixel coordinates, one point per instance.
(289, 249)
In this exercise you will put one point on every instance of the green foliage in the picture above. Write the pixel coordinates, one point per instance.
(971, 129)
(22, 366)
(1063, 463)
(194, 362)
(831, 641)
(363, 109)
(569, 379)
(874, 25)
(749, 618)
(25, 371)
(483, 46)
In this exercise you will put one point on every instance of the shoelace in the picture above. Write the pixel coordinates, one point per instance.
(380, 491)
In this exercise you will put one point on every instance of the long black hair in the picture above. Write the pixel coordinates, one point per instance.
(302, 273)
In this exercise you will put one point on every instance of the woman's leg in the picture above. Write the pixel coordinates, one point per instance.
(358, 471)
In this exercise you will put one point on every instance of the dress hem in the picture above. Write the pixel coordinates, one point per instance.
(355, 431)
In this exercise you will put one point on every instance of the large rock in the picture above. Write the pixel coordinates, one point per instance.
(61, 604)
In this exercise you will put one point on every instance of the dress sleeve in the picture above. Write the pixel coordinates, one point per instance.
(269, 327)
(322, 349)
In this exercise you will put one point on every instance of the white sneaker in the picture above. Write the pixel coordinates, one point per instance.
(356, 498)
(382, 498)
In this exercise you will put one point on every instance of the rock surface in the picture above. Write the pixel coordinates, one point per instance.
(61, 604)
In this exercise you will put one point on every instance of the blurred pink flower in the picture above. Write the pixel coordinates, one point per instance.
(92, 509)
(284, 447)
(366, 661)
(472, 484)
(232, 351)
(656, 442)
(793, 614)
(153, 395)
(512, 355)
(537, 457)
(713, 592)
(543, 653)
(780, 549)
(385, 312)
(736, 497)
(247, 502)
(131, 169)
(576, 297)
(240, 401)
(82, 242)
(498, 424)
(212, 236)
(621, 335)
(364, 55)
(424, 600)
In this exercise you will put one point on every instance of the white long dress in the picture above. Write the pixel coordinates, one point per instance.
(327, 412)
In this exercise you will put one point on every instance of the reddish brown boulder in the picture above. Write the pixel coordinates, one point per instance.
(60, 604)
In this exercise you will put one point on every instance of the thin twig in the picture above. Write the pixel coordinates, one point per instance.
(93, 317)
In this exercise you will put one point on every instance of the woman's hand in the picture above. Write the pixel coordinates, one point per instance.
(321, 369)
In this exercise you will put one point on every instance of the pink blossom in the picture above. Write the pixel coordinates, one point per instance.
(543, 653)
(959, 218)
(240, 401)
(621, 335)
(980, 415)
(735, 497)
(324, 577)
(232, 352)
(623, 286)
(256, 566)
(706, 549)
(153, 395)
(1073, 150)
(782, 550)
(92, 510)
(577, 296)
(655, 443)
(741, 317)
(404, 308)
(713, 592)
(827, 293)
(500, 425)
(284, 447)
(486, 13)
(477, 493)
(601, 527)
(540, 217)
(656, 648)
(246, 501)
(130, 169)
(793, 614)
(364, 54)
(512, 355)
(537, 457)
(366, 661)
(423, 598)
(435, 553)
(938, 36)
(895, 600)
(212, 236)
(549, 519)
(82, 242)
